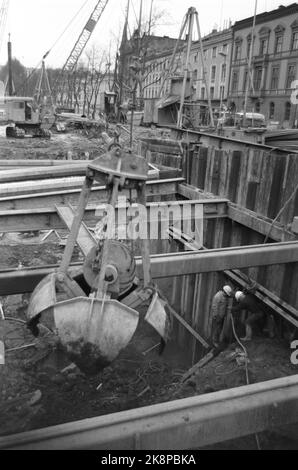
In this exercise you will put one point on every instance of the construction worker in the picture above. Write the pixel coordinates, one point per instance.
(247, 301)
(219, 310)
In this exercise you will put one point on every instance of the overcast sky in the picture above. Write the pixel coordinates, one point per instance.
(35, 25)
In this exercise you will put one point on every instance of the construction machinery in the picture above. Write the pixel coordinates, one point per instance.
(25, 118)
(33, 116)
(36, 116)
(80, 45)
(94, 312)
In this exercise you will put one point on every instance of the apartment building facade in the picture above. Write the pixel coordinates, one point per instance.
(217, 48)
(274, 65)
(151, 53)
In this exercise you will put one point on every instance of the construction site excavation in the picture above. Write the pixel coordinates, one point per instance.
(149, 233)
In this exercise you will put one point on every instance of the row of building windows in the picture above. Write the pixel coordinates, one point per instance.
(272, 110)
(264, 43)
(258, 75)
(213, 52)
(212, 93)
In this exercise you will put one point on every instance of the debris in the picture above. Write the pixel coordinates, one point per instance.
(68, 369)
(143, 392)
(151, 349)
(27, 346)
(99, 387)
(1, 312)
(46, 236)
(36, 397)
(57, 379)
(202, 363)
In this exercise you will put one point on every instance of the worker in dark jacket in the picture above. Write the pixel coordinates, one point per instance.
(219, 310)
(248, 302)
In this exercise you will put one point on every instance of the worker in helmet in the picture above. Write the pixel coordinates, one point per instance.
(248, 302)
(219, 310)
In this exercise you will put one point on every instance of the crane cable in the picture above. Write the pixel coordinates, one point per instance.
(54, 44)
(65, 29)
(246, 368)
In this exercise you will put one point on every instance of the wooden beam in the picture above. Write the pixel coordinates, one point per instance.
(39, 163)
(259, 224)
(242, 216)
(178, 425)
(47, 218)
(58, 195)
(221, 142)
(85, 240)
(14, 281)
(194, 333)
(63, 171)
(288, 312)
(268, 298)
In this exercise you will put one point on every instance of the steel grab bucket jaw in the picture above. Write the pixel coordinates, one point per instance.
(93, 332)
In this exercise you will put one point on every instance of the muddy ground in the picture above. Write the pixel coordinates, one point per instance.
(35, 389)
(77, 145)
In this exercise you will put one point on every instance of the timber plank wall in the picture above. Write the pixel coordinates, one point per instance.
(261, 182)
(163, 152)
(254, 179)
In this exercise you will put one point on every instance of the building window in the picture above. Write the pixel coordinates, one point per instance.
(291, 75)
(271, 110)
(202, 93)
(263, 46)
(258, 78)
(223, 72)
(287, 111)
(295, 41)
(275, 78)
(278, 43)
(248, 48)
(225, 48)
(258, 107)
(245, 80)
(212, 93)
(214, 52)
(213, 73)
(195, 75)
(238, 51)
(222, 92)
(235, 78)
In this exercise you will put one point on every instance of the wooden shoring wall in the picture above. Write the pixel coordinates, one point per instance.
(163, 152)
(253, 179)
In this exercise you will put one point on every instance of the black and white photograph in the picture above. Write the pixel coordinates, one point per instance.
(148, 229)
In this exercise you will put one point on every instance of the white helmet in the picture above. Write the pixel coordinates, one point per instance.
(239, 296)
(228, 291)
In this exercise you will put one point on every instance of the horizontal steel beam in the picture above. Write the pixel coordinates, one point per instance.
(191, 423)
(182, 264)
(60, 196)
(30, 174)
(66, 170)
(172, 265)
(23, 163)
(47, 218)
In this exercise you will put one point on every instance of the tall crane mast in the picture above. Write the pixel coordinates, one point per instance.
(3, 20)
(84, 37)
